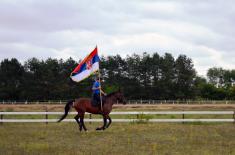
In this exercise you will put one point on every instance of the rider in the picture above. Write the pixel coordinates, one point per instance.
(96, 89)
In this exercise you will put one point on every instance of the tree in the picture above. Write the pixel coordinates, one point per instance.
(132, 84)
(167, 76)
(232, 93)
(139, 76)
(215, 76)
(209, 91)
(185, 76)
(34, 81)
(199, 83)
(11, 73)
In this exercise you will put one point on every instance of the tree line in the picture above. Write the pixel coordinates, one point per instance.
(139, 76)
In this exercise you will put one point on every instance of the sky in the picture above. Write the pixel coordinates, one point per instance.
(201, 29)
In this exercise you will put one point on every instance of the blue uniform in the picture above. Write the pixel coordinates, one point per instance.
(96, 85)
(96, 94)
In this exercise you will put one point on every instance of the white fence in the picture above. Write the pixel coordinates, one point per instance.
(183, 113)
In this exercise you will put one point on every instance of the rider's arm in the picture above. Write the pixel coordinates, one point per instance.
(95, 88)
(102, 92)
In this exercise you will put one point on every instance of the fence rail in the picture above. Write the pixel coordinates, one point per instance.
(115, 120)
(183, 113)
(129, 113)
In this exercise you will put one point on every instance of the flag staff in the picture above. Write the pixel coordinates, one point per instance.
(101, 102)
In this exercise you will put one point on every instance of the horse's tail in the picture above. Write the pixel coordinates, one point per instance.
(66, 109)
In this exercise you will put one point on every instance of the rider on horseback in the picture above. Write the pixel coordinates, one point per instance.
(96, 90)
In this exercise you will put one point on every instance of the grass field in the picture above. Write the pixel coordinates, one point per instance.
(121, 138)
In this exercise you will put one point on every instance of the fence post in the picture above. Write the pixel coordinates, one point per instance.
(234, 117)
(46, 115)
(90, 118)
(183, 117)
(1, 118)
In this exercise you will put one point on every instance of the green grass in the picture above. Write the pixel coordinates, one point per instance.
(138, 137)
(120, 138)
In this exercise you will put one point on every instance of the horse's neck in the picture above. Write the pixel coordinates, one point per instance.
(112, 100)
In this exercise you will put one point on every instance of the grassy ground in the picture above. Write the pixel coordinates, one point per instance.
(120, 138)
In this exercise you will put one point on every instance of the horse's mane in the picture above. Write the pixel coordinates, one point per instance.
(111, 94)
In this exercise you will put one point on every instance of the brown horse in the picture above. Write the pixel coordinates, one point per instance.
(83, 105)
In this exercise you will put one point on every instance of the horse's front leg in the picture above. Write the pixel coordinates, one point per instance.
(110, 121)
(104, 125)
(82, 122)
(79, 123)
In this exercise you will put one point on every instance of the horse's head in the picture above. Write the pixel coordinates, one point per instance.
(120, 97)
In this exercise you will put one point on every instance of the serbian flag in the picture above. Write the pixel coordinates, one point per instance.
(88, 66)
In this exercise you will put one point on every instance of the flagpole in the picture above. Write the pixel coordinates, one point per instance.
(101, 102)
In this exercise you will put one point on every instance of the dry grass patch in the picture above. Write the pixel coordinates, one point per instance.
(117, 107)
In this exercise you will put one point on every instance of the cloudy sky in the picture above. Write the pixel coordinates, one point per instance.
(201, 29)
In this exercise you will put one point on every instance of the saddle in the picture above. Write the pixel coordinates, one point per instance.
(97, 103)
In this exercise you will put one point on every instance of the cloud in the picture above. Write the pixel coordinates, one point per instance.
(203, 30)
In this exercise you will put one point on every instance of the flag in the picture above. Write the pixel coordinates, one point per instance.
(88, 66)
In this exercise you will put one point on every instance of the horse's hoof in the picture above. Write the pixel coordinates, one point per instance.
(100, 128)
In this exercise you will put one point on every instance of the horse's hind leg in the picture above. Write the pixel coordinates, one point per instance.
(79, 123)
(110, 121)
(105, 122)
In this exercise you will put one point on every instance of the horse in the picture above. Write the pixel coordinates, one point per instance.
(83, 105)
